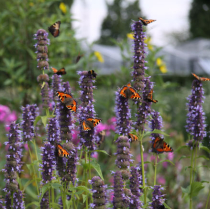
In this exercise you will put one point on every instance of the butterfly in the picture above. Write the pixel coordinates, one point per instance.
(159, 146)
(201, 78)
(68, 100)
(101, 136)
(92, 73)
(150, 97)
(54, 29)
(78, 58)
(129, 92)
(146, 22)
(90, 123)
(59, 72)
(60, 151)
(133, 137)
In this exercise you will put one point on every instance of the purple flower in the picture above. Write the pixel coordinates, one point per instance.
(87, 108)
(196, 117)
(157, 197)
(18, 200)
(123, 156)
(48, 162)
(139, 55)
(123, 115)
(134, 182)
(42, 50)
(144, 108)
(44, 204)
(53, 131)
(56, 85)
(119, 199)
(65, 120)
(99, 192)
(156, 123)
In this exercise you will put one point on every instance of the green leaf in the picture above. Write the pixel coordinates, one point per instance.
(204, 148)
(204, 157)
(184, 146)
(33, 203)
(27, 184)
(183, 157)
(84, 197)
(44, 189)
(148, 162)
(84, 189)
(116, 136)
(56, 185)
(37, 119)
(44, 120)
(166, 161)
(196, 187)
(30, 168)
(185, 191)
(166, 206)
(103, 151)
(97, 167)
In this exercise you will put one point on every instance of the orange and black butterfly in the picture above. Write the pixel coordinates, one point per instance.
(201, 78)
(54, 29)
(146, 22)
(129, 92)
(92, 73)
(159, 146)
(132, 137)
(150, 97)
(68, 100)
(90, 123)
(60, 151)
(59, 72)
(101, 136)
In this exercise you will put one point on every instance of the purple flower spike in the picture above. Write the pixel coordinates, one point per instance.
(53, 131)
(42, 50)
(99, 192)
(123, 156)
(45, 95)
(119, 196)
(145, 108)
(157, 197)
(65, 120)
(156, 123)
(196, 117)
(56, 84)
(44, 204)
(48, 163)
(87, 108)
(18, 200)
(123, 115)
(139, 55)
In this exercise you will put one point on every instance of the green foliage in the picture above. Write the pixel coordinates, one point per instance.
(117, 23)
(200, 19)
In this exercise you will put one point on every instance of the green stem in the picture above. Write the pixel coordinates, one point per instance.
(33, 170)
(52, 195)
(155, 165)
(142, 167)
(86, 177)
(191, 173)
(90, 176)
(34, 142)
(207, 202)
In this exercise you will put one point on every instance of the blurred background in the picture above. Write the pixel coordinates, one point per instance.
(178, 44)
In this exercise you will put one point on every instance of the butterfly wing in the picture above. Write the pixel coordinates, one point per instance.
(63, 96)
(159, 146)
(146, 22)
(54, 70)
(78, 58)
(54, 29)
(94, 121)
(72, 105)
(62, 71)
(85, 126)
(135, 95)
(133, 137)
(150, 97)
(200, 78)
(123, 91)
(61, 151)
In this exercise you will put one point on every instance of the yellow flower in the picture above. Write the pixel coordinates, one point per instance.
(99, 56)
(31, 4)
(163, 69)
(148, 42)
(130, 35)
(62, 7)
(159, 61)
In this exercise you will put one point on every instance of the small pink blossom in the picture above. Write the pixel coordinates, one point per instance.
(95, 155)
(100, 127)
(112, 120)
(161, 180)
(171, 156)
(4, 111)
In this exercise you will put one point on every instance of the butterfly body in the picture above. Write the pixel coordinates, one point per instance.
(129, 92)
(54, 29)
(200, 78)
(146, 22)
(150, 97)
(132, 137)
(68, 100)
(92, 73)
(60, 151)
(90, 123)
(160, 146)
(101, 136)
(59, 72)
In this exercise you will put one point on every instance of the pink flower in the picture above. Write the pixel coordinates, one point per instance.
(4, 111)
(100, 127)
(165, 164)
(112, 120)
(161, 180)
(171, 156)
(152, 158)
(111, 195)
(11, 117)
(95, 155)
(75, 138)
